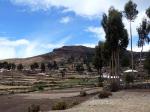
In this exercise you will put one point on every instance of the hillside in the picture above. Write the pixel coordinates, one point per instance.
(59, 54)
(64, 53)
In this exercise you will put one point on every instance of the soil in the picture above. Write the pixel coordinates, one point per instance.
(21, 102)
(122, 101)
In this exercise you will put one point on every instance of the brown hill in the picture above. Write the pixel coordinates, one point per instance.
(59, 54)
(64, 53)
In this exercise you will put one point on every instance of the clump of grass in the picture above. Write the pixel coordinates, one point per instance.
(39, 86)
(83, 93)
(74, 103)
(60, 106)
(104, 94)
(34, 108)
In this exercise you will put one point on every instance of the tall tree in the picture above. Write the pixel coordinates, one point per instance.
(147, 63)
(20, 67)
(116, 37)
(148, 12)
(42, 67)
(131, 12)
(143, 32)
(98, 58)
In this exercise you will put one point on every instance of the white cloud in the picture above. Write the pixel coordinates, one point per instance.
(65, 20)
(97, 31)
(6, 42)
(135, 24)
(80, 7)
(57, 44)
(137, 49)
(8, 47)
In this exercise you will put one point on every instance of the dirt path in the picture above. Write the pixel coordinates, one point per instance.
(124, 101)
(57, 94)
(21, 102)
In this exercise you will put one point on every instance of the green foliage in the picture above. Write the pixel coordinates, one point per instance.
(42, 67)
(39, 86)
(116, 37)
(98, 59)
(148, 12)
(129, 78)
(74, 103)
(130, 10)
(143, 31)
(59, 106)
(83, 93)
(125, 61)
(20, 67)
(79, 68)
(7, 65)
(34, 66)
(147, 63)
(104, 94)
(34, 108)
(100, 81)
(114, 86)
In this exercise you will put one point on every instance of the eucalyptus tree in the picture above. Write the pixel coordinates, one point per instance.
(148, 12)
(98, 58)
(131, 12)
(116, 37)
(143, 32)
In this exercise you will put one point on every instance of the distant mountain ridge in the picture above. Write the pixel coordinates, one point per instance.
(63, 53)
(57, 55)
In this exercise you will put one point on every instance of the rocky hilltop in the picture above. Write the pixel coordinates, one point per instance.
(64, 53)
(59, 54)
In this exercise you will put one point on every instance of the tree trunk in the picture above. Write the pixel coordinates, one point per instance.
(141, 56)
(131, 46)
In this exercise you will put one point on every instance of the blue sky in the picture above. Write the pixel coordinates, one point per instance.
(33, 27)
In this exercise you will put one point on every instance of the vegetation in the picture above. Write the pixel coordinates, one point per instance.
(34, 108)
(79, 68)
(59, 106)
(98, 59)
(83, 93)
(114, 86)
(114, 41)
(147, 63)
(143, 32)
(104, 94)
(20, 67)
(129, 78)
(42, 67)
(131, 12)
(34, 66)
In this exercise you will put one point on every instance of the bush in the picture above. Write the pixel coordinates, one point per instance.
(59, 106)
(72, 77)
(34, 108)
(129, 78)
(114, 86)
(75, 103)
(104, 94)
(100, 82)
(83, 93)
(39, 86)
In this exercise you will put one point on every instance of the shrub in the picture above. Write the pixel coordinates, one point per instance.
(83, 93)
(104, 94)
(114, 86)
(59, 106)
(100, 82)
(72, 77)
(129, 78)
(34, 108)
(75, 103)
